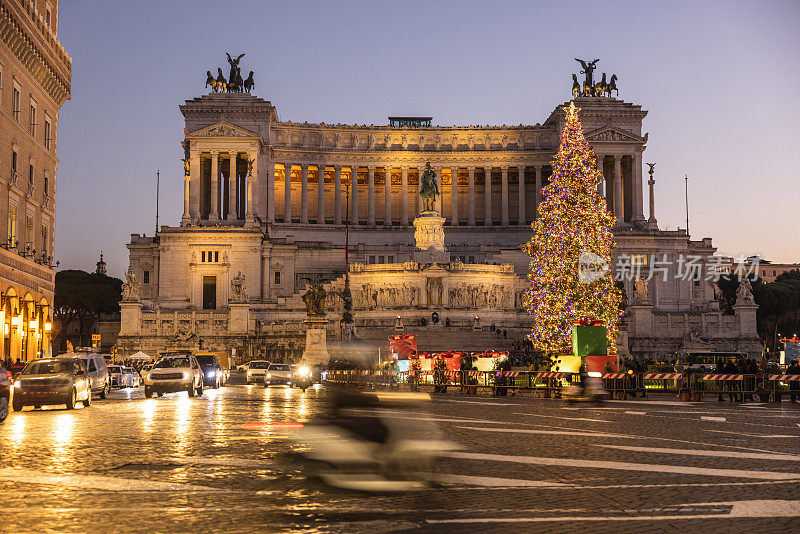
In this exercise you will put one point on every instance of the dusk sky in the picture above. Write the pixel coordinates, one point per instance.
(720, 81)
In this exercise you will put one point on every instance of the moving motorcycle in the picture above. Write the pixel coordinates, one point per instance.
(591, 390)
(367, 444)
(302, 377)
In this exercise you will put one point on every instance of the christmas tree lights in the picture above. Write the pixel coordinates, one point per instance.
(570, 250)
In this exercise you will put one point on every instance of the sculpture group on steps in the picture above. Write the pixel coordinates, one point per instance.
(601, 88)
(234, 83)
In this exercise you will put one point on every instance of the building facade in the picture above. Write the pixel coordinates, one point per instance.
(35, 81)
(269, 202)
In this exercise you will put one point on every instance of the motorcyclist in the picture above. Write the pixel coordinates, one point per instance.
(583, 379)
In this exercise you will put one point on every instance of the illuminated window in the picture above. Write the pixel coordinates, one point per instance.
(638, 259)
(12, 226)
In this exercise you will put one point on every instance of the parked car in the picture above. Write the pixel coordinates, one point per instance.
(5, 391)
(130, 377)
(179, 372)
(278, 374)
(256, 371)
(98, 372)
(213, 372)
(52, 381)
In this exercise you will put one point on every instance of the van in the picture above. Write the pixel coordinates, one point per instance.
(97, 371)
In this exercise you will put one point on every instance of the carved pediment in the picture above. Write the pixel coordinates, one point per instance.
(611, 133)
(223, 129)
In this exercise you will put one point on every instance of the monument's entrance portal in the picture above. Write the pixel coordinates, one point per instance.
(209, 292)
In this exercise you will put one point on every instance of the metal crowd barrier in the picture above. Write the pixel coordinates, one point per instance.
(690, 386)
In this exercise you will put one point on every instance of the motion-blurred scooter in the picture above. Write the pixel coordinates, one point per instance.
(591, 391)
(368, 445)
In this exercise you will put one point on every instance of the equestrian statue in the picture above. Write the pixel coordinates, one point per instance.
(428, 188)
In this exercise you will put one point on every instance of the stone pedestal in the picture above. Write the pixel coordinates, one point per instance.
(130, 318)
(237, 322)
(641, 322)
(429, 239)
(746, 319)
(316, 351)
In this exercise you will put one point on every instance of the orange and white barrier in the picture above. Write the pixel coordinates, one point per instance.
(787, 378)
(723, 377)
(661, 376)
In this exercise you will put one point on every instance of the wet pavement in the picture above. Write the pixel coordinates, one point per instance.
(219, 463)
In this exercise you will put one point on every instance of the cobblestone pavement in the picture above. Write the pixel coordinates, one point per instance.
(178, 464)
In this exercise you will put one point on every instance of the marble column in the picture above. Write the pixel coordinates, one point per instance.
(471, 196)
(214, 213)
(304, 194)
(454, 197)
(600, 168)
(538, 186)
(287, 193)
(638, 196)
(337, 194)
(651, 182)
(252, 177)
(487, 196)
(504, 196)
(232, 181)
(354, 195)
(321, 194)
(521, 217)
(195, 179)
(271, 192)
(371, 196)
(618, 205)
(438, 172)
(186, 181)
(387, 197)
(404, 196)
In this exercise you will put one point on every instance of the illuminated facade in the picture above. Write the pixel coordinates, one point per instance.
(269, 199)
(35, 81)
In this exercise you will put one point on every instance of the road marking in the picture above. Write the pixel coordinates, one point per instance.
(624, 466)
(713, 454)
(553, 432)
(752, 435)
(492, 482)
(635, 413)
(739, 509)
(481, 403)
(29, 476)
(564, 418)
(202, 460)
(659, 403)
(709, 418)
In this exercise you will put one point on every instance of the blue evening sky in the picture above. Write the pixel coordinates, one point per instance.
(720, 81)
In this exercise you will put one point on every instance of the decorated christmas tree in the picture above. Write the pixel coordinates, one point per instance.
(570, 250)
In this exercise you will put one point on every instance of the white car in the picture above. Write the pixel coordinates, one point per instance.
(179, 372)
(278, 374)
(116, 376)
(130, 377)
(256, 371)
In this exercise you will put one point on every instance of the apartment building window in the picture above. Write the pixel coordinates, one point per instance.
(146, 277)
(46, 185)
(44, 241)
(32, 123)
(47, 134)
(15, 104)
(13, 163)
(30, 174)
(12, 226)
(47, 18)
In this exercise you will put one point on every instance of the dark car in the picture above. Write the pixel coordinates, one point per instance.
(5, 391)
(52, 381)
(213, 372)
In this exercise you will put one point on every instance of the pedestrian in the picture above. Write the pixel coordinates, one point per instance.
(720, 369)
(752, 370)
(679, 379)
(732, 369)
(794, 385)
